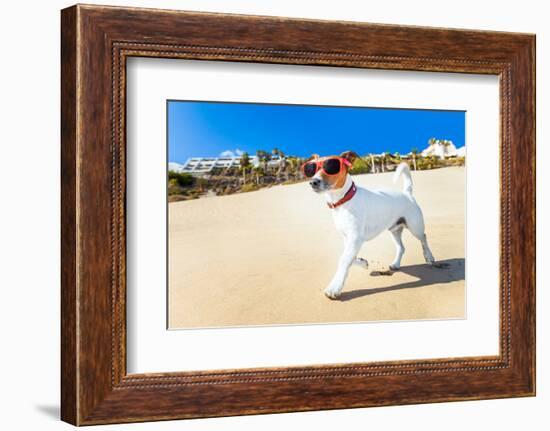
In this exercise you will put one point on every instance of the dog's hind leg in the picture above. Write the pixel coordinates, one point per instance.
(396, 233)
(416, 226)
(428, 256)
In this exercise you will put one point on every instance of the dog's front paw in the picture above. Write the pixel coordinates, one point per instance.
(363, 263)
(333, 292)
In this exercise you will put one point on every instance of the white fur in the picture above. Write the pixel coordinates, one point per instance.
(369, 213)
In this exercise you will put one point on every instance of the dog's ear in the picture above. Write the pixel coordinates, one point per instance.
(313, 156)
(350, 156)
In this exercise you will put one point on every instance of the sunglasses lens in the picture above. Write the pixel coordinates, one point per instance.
(331, 166)
(310, 169)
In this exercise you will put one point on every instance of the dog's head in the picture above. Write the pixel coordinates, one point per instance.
(323, 181)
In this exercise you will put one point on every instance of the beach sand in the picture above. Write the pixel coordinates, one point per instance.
(265, 257)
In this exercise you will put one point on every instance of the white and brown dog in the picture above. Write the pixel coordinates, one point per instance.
(361, 214)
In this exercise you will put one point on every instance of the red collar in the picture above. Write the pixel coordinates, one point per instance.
(349, 194)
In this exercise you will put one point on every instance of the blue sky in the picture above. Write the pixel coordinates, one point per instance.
(209, 129)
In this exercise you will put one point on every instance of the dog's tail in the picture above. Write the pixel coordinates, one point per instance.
(403, 170)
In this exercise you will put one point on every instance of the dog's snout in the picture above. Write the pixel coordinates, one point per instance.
(315, 182)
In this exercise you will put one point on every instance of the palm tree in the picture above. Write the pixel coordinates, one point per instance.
(262, 154)
(294, 164)
(383, 160)
(282, 160)
(433, 162)
(263, 158)
(414, 152)
(245, 165)
(258, 172)
(372, 164)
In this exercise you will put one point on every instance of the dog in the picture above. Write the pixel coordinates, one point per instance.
(361, 214)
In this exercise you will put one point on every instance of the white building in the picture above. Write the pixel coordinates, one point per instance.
(205, 165)
(440, 148)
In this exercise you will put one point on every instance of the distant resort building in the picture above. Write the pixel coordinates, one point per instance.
(200, 166)
(443, 149)
(205, 165)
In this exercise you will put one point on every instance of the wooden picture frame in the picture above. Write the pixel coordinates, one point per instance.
(95, 43)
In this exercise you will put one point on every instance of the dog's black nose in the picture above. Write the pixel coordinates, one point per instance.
(316, 182)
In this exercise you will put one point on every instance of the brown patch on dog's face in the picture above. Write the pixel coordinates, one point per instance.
(321, 182)
(337, 181)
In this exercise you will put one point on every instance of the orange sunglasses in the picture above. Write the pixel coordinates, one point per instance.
(329, 165)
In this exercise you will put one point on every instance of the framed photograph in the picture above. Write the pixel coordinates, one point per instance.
(264, 214)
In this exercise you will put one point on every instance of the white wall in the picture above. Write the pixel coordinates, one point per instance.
(29, 213)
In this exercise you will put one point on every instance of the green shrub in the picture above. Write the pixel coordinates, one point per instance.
(360, 166)
(182, 179)
(456, 161)
(428, 162)
(249, 187)
(173, 187)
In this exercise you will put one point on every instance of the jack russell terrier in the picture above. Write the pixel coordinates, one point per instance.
(361, 214)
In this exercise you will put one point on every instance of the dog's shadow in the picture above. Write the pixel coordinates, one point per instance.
(445, 271)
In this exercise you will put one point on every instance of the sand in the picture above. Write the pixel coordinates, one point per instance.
(265, 257)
